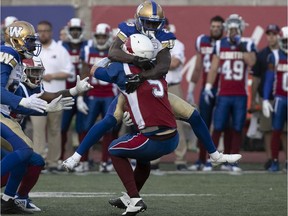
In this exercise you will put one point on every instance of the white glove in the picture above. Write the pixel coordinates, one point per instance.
(266, 108)
(103, 62)
(127, 120)
(190, 96)
(81, 105)
(81, 86)
(34, 102)
(208, 93)
(59, 103)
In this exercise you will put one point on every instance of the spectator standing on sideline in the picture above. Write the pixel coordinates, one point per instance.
(259, 70)
(174, 78)
(58, 68)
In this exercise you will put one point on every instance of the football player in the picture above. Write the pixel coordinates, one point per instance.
(74, 43)
(31, 83)
(21, 42)
(277, 76)
(186, 112)
(204, 48)
(233, 55)
(97, 100)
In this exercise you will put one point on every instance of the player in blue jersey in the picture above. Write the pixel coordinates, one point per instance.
(276, 81)
(21, 42)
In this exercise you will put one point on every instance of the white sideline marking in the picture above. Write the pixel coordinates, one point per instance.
(101, 194)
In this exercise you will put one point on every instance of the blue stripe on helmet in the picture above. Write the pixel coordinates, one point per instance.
(154, 8)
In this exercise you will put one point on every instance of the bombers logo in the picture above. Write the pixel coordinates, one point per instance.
(15, 31)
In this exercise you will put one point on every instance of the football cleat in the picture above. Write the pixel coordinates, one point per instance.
(10, 207)
(135, 206)
(274, 166)
(120, 202)
(70, 163)
(83, 167)
(27, 205)
(223, 158)
(196, 166)
(208, 166)
(106, 167)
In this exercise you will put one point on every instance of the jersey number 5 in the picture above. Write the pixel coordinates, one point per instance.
(158, 89)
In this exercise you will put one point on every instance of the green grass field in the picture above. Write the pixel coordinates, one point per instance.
(194, 193)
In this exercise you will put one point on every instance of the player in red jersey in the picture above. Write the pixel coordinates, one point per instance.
(233, 55)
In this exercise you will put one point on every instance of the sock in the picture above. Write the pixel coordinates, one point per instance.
(275, 143)
(107, 139)
(227, 140)
(236, 142)
(215, 155)
(14, 159)
(96, 132)
(125, 173)
(141, 174)
(202, 153)
(6, 197)
(63, 143)
(201, 131)
(216, 137)
(4, 180)
(28, 181)
(15, 178)
(76, 156)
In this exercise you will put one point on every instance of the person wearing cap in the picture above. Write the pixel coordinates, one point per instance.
(258, 72)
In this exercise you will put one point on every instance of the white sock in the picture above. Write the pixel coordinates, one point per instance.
(6, 197)
(215, 155)
(76, 156)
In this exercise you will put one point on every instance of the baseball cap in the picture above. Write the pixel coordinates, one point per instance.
(272, 28)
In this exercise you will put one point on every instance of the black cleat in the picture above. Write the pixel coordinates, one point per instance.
(10, 207)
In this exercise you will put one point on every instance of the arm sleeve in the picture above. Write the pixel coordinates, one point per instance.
(269, 78)
(7, 97)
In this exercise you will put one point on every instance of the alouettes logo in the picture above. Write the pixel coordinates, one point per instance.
(15, 31)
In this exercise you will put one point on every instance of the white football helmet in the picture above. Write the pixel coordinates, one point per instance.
(75, 30)
(139, 45)
(283, 39)
(33, 72)
(235, 21)
(103, 36)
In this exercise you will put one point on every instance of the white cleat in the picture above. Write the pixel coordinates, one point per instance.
(70, 163)
(121, 202)
(135, 206)
(226, 158)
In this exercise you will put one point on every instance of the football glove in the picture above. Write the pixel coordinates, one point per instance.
(127, 120)
(34, 102)
(81, 86)
(133, 82)
(81, 105)
(208, 93)
(59, 103)
(190, 96)
(143, 63)
(266, 108)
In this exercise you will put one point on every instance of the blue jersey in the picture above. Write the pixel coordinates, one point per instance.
(166, 38)
(11, 74)
(25, 91)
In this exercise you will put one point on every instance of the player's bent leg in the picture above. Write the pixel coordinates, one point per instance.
(181, 109)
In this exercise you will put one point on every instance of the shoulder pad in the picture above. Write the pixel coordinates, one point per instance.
(9, 56)
(125, 30)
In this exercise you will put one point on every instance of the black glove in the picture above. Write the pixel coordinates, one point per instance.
(133, 82)
(143, 63)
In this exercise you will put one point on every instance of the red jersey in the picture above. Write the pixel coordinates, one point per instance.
(149, 104)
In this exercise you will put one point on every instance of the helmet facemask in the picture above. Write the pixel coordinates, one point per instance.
(236, 22)
(102, 36)
(33, 72)
(283, 39)
(75, 32)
